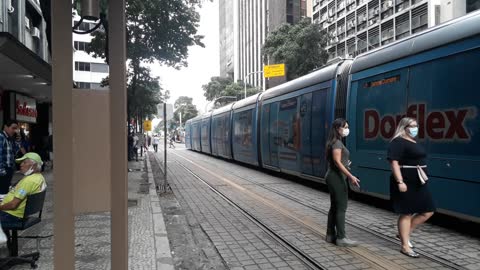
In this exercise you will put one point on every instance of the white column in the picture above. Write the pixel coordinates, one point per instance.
(236, 42)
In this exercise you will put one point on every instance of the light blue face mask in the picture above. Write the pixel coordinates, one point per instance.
(413, 131)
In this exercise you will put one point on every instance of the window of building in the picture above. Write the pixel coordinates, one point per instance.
(82, 66)
(401, 5)
(80, 45)
(99, 67)
(473, 5)
(84, 26)
(420, 18)
(83, 85)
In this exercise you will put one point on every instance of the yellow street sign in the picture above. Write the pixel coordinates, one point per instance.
(277, 70)
(147, 125)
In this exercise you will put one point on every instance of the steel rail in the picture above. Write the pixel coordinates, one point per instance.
(385, 237)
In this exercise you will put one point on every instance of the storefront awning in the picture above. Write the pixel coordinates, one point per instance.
(23, 71)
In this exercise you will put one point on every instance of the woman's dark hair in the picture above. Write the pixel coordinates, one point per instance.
(334, 136)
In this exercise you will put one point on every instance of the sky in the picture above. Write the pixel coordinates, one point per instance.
(203, 63)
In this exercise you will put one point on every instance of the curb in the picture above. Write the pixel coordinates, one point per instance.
(163, 255)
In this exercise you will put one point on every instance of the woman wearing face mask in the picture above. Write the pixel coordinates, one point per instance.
(408, 183)
(336, 178)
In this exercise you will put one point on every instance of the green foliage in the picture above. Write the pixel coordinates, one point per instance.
(159, 30)
(299, 46)
(184, 105)
(224, 86)
(216, 87)
(143, 92)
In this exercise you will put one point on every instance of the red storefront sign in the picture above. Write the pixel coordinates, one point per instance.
(25, 109)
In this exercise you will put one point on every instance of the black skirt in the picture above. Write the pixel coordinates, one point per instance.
(417, 198)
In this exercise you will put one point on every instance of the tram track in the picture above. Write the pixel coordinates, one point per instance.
(362, 254)
(302, 256)
(376, 262)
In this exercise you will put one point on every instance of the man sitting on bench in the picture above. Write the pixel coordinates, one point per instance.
(12, 207)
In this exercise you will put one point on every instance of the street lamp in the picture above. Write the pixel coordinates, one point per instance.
(215, 100)
(245, 81)
(179, 113)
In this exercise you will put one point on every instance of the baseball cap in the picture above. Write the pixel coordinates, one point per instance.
(31, 155)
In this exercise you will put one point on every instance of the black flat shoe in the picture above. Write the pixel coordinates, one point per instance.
(411, 254)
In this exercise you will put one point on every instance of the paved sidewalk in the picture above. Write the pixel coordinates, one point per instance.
(148, 244)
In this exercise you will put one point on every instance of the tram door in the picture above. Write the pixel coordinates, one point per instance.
(306, 134)
(319, 132)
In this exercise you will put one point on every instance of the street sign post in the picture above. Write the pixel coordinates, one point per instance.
(169, 111)
(147, 125)
(277, 70)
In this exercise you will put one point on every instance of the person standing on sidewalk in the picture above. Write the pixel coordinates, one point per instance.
(408, 183)
(336, 178)
(155, 140)
(7, 155)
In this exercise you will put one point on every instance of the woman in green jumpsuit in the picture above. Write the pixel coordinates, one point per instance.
(336, 178)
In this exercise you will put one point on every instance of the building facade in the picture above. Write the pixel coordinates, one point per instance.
(244, 25)
(357, 26)
(226, 38)
(88, 71)
(25, 74)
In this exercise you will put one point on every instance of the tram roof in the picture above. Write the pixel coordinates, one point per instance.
(318, 76)
(206, 115)
(223, 109)
(245, 102)
(445, 33)
(196, 118)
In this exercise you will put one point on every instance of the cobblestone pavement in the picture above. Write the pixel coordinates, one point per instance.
(453, 246)
(255, 181)
(241, 244)
(92, 231)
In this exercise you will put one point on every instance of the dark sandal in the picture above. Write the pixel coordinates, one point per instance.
(411, 254)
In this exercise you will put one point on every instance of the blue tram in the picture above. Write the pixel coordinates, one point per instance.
(430, 76)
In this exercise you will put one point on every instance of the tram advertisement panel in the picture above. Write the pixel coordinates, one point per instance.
(445, 107)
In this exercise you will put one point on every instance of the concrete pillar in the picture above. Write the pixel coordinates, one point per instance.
(81, 187)
(118, 135)
(62, 80)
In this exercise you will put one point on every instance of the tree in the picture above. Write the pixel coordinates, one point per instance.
(160, 30)
(299, 46)
(144, 97)
(216, 87)
(224, 86)
(184, 106)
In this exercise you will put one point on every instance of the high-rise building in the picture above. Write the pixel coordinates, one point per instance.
(226, 38)
(356, 26)
(244, 25)
(89, 71)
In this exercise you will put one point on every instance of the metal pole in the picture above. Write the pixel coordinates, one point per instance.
(245, 85)
(165, 140)
(180, 116)
(141, 131)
